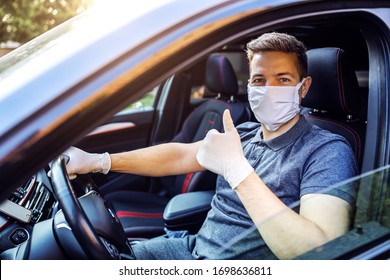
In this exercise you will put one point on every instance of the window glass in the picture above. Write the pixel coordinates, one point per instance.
(146, 102)
(197, 92)
(371, 220)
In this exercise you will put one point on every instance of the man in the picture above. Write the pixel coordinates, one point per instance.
(263, 169)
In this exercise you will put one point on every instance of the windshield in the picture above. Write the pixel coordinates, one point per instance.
(86, 28)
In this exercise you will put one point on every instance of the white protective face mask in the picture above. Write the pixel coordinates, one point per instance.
(273, 106)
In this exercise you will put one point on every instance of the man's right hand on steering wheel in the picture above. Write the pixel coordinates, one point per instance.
(81, 162)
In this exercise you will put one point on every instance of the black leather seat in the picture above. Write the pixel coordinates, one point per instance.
(142, 213)
(334, 99)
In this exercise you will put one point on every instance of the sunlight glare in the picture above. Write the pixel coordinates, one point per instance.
(106, 15)
(109, 13)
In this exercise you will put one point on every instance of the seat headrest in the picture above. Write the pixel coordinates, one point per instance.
(335, 87)
(220, 76)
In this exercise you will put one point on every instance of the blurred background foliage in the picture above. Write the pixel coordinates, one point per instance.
(23, 20)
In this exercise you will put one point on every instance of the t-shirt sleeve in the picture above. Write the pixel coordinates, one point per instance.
(329, 170)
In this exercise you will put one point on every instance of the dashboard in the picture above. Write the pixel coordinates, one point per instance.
(30, 203)
(34, 226)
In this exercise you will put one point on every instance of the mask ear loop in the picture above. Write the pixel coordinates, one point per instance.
(297, 87)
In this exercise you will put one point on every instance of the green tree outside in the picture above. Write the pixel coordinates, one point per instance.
(23, 20)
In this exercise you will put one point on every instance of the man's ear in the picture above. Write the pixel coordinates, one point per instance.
(305, 86)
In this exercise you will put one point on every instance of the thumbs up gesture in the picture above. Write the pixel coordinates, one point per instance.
(222, 153)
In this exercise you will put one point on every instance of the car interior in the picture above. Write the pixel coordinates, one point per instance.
(141, 213)
(336, 101)
(190, 103)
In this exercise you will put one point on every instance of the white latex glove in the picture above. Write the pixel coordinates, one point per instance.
(222, 153)
(81, 162)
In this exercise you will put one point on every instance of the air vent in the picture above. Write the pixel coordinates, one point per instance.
(20, 195)
(37, 201)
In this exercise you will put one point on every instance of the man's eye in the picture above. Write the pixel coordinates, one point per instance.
(258, 82)
(285, 80)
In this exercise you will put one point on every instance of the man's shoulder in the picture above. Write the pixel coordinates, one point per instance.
(317, 138)
(248, 128)
(324, 135)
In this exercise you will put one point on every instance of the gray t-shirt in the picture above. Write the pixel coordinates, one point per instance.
(306, 159)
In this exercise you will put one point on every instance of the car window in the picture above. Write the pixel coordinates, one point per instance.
(371, 220)
(146, 102)
(197, 92)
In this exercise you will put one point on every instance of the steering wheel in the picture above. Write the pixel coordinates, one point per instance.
(92, 222)
(83, 184)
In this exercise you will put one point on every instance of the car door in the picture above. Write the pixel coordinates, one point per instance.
(127, 130)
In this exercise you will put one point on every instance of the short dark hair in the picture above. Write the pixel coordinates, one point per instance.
(275, 41)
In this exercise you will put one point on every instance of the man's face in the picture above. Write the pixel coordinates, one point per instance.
(274, 68)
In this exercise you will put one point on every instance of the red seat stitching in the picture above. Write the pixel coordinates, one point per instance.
(127, 214)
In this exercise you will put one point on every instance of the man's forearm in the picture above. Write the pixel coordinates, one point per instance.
(287, 233)
(159, 160)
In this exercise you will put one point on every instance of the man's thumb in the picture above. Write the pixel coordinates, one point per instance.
(228, 124)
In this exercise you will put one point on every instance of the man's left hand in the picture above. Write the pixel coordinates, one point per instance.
(222, 153)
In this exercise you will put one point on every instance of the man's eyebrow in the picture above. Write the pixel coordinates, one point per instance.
(275, 75)
(284, 74)
(257, 75)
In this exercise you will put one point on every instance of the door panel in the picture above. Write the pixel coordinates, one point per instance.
(127, 130)
(122, 132)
